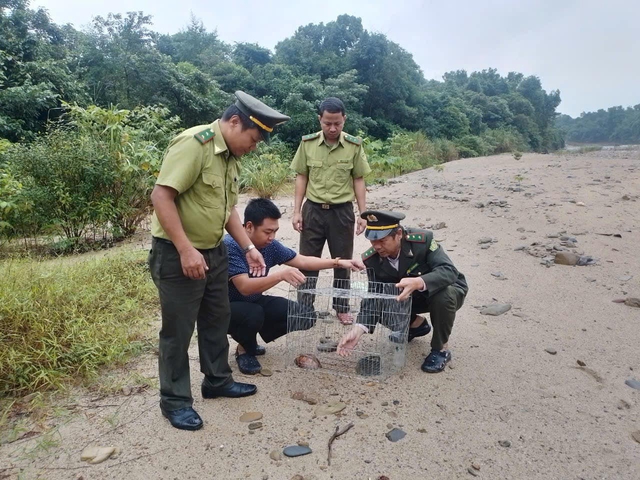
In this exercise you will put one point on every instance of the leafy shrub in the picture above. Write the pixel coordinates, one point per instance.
(91, 174)
(517, 155)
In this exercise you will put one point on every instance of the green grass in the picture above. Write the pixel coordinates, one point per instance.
(61, 321)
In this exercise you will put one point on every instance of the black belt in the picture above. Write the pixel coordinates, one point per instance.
(328, 206)
(169, 242)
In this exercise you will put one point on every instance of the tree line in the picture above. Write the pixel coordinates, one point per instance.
(119, 60)
(86, 114)
(615, 125)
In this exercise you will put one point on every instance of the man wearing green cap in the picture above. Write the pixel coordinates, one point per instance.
(330, 167)
(194, 200)
(412, 260)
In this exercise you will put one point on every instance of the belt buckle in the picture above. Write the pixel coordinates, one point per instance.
(326, 206)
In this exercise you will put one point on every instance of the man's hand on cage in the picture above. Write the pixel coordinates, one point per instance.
(408, 286)
(349, 341)
(292, 276)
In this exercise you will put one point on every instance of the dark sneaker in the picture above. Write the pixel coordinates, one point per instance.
(436, 361)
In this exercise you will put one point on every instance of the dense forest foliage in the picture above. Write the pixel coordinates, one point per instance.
(121, 61)
(86, 114)
(615, 125)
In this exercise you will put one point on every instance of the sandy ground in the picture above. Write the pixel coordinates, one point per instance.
(505, 404)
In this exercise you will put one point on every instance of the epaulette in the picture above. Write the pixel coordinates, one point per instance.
(204, 136)
(311, 136)
(416, 237)
(368, 254)
(352, 139)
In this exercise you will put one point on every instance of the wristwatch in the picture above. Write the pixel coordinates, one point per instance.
(249, 247)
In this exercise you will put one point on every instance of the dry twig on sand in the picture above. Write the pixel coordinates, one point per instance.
(335, 435)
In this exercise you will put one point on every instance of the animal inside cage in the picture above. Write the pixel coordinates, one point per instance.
(314, 330)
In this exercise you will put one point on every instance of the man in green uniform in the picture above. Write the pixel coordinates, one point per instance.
(330, 167)
(194, 200)
(412, 260)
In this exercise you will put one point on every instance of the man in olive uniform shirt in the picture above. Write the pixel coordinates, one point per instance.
(194, 200)
(330, 167)
(411, 259)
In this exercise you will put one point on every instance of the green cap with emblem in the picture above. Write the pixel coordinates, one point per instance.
(380, 223)
(265, 117)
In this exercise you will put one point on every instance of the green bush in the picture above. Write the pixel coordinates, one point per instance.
(446, 150)
(62, 321)
(503, 140)
(266, 171)
(472, 146)
(90, 177)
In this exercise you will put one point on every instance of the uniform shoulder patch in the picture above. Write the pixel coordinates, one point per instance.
(311, 136)
(204, 136)
(434, 245)
(368, 254)
(352, 139)
(417, 237)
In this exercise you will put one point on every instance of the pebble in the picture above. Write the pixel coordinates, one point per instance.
(636, 436)
(581, 363)
(633, 383)
(330, 408)
(484, 240)
(249, 417)
(566, 258)
(303, 443)
(296, 451)
(504, 443)
(495, 309)
(472, 472)
(275, 455)
(265, 372)
(395, 434)
(551, 351)
(255, 425)
(632, 302)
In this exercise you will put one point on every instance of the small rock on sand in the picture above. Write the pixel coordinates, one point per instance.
(495, 309)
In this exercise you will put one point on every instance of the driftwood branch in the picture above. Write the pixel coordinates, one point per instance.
(335, 435)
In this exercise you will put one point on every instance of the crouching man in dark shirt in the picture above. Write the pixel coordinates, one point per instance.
(252, 312)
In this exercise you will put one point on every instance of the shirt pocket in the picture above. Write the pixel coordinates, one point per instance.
(210, 192)
(343, 171)
(315, 170)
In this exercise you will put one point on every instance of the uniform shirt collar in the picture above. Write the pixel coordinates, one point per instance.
(321, 139)
(219, 145)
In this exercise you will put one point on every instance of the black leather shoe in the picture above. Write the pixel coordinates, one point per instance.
(248, 364)
(233, 390)
(436, 361)
(260, 350)
(183, 418)
(421, 331)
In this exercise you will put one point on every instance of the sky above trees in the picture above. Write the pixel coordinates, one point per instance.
(588, 49)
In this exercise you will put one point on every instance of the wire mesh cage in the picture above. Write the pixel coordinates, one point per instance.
(314, 329)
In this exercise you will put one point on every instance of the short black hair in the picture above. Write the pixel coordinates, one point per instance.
(260, 208)
(332, 105)
(244, 120)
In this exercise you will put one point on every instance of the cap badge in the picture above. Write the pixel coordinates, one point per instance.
(372, 218)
